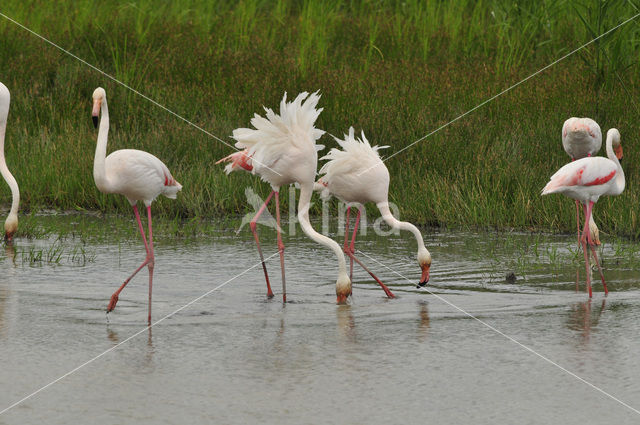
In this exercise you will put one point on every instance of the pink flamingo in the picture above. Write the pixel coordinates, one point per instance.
(11, 224)
(282, 150)
(586, 180)
(582, 138)
(356, 174)
(137, 175)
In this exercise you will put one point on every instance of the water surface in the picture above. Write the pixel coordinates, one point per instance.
(236, 357)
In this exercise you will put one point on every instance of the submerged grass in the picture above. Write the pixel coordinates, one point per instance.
(397, 70)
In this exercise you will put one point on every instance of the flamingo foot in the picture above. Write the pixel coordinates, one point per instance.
(112, 302)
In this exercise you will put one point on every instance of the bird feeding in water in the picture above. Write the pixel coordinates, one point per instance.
(356, 174)
(137, 175)
(587, 179)
(281, 149)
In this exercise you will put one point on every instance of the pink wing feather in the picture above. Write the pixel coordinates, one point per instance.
(592, 171)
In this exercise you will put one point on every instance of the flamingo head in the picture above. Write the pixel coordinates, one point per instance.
(617, 147)
(424, 260)
(10, 227)
(343, 288)
(99, 96)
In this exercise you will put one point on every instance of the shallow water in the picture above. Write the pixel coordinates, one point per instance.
(235, 357)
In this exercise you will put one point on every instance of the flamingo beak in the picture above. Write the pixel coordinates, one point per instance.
(342, 298)
(8, 237)
(618, 152)
(425, 275)
(95, 111)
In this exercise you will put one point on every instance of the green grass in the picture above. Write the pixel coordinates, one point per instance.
(396, 69)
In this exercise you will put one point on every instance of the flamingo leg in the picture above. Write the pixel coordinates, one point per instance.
(152, 260)
(593, 251)
(583, 241)
(253, 226)
(114, 297)
(382, 285)
(355, 232)
(346, 243)
(281, 248)
(578, 219)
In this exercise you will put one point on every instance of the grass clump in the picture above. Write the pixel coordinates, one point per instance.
(397, 69)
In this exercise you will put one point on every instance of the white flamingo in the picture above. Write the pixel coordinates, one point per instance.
(11, 224)
(587, 179)
(281, 149)
(582, 138)
(356, 174)
(137, 175)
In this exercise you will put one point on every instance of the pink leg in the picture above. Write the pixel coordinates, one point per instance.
(346, 243)
(353, 240)
(253, 226)
(152, 261)
(382, 285)
(114, 297)
(281, 248)
(578, 219)
(593, 251)
(583, 241)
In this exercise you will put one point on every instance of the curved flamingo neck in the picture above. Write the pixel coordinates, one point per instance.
(4, 170)
(99, 168)
(402, 225)
(306, 190)
(620, 179)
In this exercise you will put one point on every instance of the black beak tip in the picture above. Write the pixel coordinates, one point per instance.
(95, 121)
(422, 284)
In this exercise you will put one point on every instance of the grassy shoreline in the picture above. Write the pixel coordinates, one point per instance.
(398, 70)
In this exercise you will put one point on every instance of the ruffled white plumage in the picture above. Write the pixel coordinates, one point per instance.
(356, 173)
(282, 147)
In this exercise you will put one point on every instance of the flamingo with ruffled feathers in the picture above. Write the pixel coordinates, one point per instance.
(11, 223)
(137, 175)
(357, 174)
(586, 180)
(281, 149)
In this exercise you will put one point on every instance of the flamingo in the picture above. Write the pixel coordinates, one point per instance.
(281, 149)
(356, 174)
(137, 175)
(582, 138)
(587, 179)
(11, 224)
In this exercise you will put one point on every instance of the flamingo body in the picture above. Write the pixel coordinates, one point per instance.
(138, 175)
(281, 148)
(11, 223)
(581, 137)
(356, 173)
(585, 179)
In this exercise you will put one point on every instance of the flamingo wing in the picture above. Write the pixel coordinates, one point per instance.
(583, 173)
